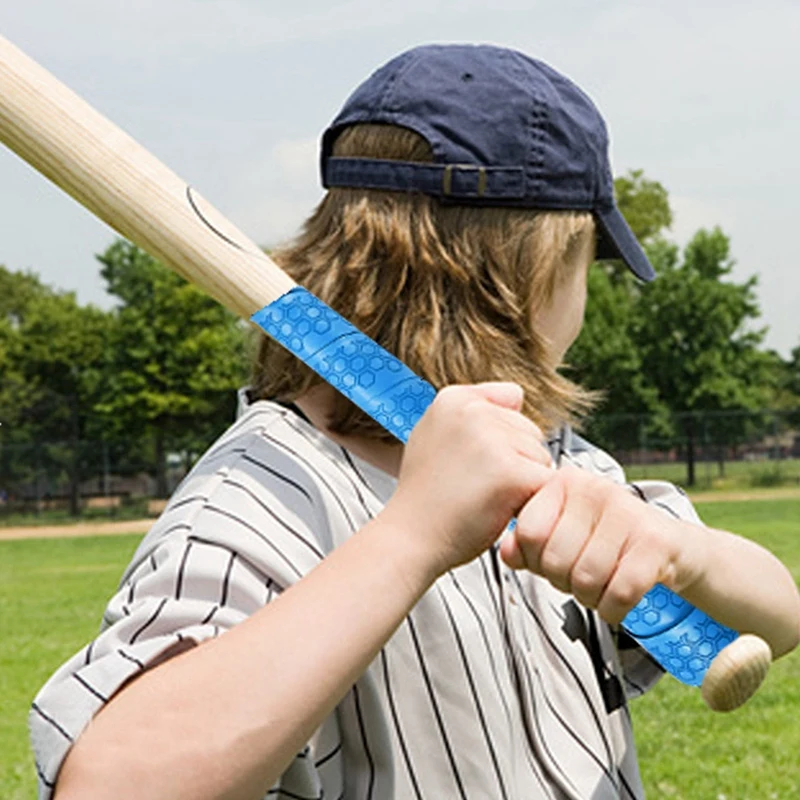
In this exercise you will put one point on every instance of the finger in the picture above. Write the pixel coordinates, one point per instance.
(501, 393)
(505, 398)
(636, 573)
(511, 552)
(598, 561)
(535, 523)
(569, 537)
(524, 436)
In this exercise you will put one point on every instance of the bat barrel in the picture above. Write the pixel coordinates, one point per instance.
(106, 171)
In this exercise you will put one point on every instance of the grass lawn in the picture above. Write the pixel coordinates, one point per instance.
(52, 593)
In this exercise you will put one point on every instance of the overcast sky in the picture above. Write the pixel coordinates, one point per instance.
(233, 95)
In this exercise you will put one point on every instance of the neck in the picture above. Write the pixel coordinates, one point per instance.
(317, 404)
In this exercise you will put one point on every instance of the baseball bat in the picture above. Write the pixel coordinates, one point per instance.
(106, 171)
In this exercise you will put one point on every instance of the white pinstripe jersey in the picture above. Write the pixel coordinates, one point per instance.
(496, 685)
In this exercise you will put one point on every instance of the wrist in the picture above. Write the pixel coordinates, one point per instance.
(408, 545)
(691, 556)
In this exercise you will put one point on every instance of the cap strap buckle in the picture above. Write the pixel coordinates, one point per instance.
(447, 178)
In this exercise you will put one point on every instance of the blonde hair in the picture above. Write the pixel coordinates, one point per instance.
(450, 290)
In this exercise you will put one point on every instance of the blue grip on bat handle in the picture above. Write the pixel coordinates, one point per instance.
(680, 637)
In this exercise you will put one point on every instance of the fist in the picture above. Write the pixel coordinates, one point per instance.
(592, 538)
(470, 465)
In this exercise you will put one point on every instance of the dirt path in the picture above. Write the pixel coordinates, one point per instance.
(143, 525)
(77, 529)
(742, 495)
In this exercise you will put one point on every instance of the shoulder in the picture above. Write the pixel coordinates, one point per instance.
(570, 448)
(567, 447)
(271, 480)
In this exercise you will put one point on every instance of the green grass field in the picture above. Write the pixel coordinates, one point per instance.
(52, 593)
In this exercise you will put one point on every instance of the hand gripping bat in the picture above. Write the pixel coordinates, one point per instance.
(105, 170)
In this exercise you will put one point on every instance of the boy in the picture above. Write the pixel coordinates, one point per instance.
(381, 639)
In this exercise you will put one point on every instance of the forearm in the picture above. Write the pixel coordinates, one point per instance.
(226, 718)
(746, 588)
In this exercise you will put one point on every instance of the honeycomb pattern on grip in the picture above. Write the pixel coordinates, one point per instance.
(687, 649)
(680, 637)
(657, 611)
(372, 378)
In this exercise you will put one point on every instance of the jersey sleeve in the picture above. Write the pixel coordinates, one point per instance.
(242, 528)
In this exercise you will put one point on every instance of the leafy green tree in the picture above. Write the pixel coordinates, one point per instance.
(673, 349)
(52, 353)
(607, 358)
(607, 355)
(176, 358)
(17, 292)
(644, 203)
(789, 383)
(698, 343)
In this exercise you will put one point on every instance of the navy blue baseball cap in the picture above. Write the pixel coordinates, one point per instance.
(505, 130)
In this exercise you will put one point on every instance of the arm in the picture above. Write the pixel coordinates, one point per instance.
(591, 537)
(225, 718)
(743, 586)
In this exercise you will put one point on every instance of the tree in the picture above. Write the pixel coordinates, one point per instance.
(176, 358)
(607, 358)
(17, 292)
(697, 342)
(789, 383)
(682, 345)
(607, 355)
(645, 205)
(52, 353)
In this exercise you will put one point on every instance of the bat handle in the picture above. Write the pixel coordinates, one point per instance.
(366, 374)
(697, 650)
(685, 641)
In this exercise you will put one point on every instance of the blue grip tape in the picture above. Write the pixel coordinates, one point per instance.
(366, 374)
(680, 637)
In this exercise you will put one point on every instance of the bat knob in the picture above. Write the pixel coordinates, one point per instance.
(736, 673)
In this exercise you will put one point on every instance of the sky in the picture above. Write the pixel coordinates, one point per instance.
(234, 94)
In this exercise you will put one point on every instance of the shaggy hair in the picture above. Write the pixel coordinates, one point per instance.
(450, 290)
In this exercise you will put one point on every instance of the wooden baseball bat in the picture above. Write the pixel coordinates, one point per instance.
(106, 171)
(120, 182)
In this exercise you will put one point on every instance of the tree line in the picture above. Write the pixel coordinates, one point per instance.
(687, 346)
(158, 373)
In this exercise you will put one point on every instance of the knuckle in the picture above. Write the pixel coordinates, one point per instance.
(448, 398)
(584, 582)
(531, 537)
(553, 566)
(625, 595)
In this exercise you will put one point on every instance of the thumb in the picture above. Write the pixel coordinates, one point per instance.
(501, 393)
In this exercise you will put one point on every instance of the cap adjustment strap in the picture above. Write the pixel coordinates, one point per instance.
(441, 180)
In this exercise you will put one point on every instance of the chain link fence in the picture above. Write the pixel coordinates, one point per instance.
(723, 450)
(54, 480)
(711, 450)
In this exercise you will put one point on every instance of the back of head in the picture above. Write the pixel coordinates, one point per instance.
(448, 222)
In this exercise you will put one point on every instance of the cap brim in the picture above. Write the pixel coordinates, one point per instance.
(617, 241)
